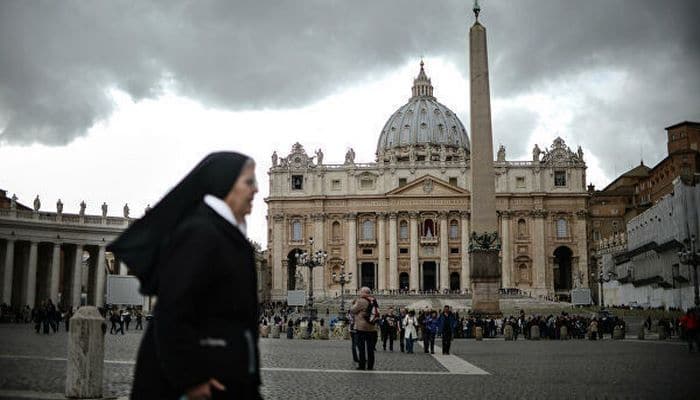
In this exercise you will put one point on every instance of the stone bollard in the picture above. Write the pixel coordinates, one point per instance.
(508, 332)
(640, 333)
(563, 333)
(264, 331)
(323, 333)
(85, 354)
(275, 331)
(662, 333)
(618, 333)
(534, 332)
(479, 333)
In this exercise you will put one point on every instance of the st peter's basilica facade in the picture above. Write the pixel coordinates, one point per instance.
(401, 223)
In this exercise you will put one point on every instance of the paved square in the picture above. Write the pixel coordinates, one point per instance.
(33, 366)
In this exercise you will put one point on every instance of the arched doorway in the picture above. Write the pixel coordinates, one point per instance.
(429, 275)
(562, 269)
(454, 281)
(367, 275)
(403, 281)
(292, 269)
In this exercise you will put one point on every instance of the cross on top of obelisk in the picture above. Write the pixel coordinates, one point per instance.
(476, 9)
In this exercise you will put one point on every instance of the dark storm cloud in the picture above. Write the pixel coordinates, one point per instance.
(58, 59)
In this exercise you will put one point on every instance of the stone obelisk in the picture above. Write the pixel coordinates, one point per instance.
(484, 244)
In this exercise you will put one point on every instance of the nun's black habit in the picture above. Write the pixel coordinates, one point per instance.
(202, 270)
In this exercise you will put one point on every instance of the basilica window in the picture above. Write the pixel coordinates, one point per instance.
(402, 182)
(297, 182)
(453, 181)
(429, 228)
(403, 230)
(522, 228)
(368, 230)
(454, 229)
(520, 182)
(559, 178)
(561, 228)
(335, 231)
(366, 183)
(335, 184)
(296, 231)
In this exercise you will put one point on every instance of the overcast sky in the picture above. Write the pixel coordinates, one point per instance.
(116, 101)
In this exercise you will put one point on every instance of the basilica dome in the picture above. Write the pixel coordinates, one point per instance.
(422, 123)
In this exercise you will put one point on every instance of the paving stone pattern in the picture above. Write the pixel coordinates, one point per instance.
(520, 369)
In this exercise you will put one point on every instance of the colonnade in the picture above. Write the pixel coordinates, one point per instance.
(36, 271)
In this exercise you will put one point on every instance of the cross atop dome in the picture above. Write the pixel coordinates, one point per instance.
(421, 85)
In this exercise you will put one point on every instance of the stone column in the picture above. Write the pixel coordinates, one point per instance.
(319, 244)
(352, 249)
(122, 268)
(444, 253)
(30, 282)
(76, 289)
(100, 277)
(7, 277)
(54, 275)
(506, 258)
(414, 282)
(581, 241)
(393, 253)
(539, 262)
(381, 251)
(464, 243)
(278, 288)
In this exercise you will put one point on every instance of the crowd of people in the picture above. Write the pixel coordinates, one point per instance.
(47, 318)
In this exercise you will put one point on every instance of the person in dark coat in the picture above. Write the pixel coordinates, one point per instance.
(447, 323)
(192, 252)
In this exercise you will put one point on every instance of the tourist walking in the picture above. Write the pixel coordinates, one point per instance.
(191, 251)
(362, 310)
(447, 324)
(389, 324)
(410, 323)
(430, 331)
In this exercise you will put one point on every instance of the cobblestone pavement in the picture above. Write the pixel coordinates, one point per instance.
(31, 364)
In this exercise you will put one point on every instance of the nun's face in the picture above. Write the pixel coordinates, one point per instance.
(240, 198)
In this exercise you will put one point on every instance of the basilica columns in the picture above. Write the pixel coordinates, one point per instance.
(30, 277)
(539, 259)
(54, 274)
(8, 271)
(393, 253)
(381, 251)
(76, 277)
(100, 277)
(465, 283)
(278, 273)
(413, 275)
(319, 240)
(444, 256)
(506, 259)
(352, 248)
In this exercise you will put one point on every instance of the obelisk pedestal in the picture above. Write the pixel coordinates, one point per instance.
(484, 245)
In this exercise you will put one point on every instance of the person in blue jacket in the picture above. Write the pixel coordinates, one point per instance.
(447, 324)
(430, 331)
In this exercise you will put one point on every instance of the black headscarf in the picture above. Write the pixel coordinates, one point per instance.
(140, 244)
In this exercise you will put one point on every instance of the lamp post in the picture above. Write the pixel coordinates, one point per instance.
(342, 278)
(690, 256)
(311, 260)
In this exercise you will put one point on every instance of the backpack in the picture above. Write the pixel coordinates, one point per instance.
(373, 311)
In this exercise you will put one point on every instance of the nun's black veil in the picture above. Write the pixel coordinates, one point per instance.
(140, 244)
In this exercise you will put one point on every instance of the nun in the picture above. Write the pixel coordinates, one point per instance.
(191, 252)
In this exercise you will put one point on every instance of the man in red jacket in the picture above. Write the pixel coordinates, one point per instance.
(689, 322)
